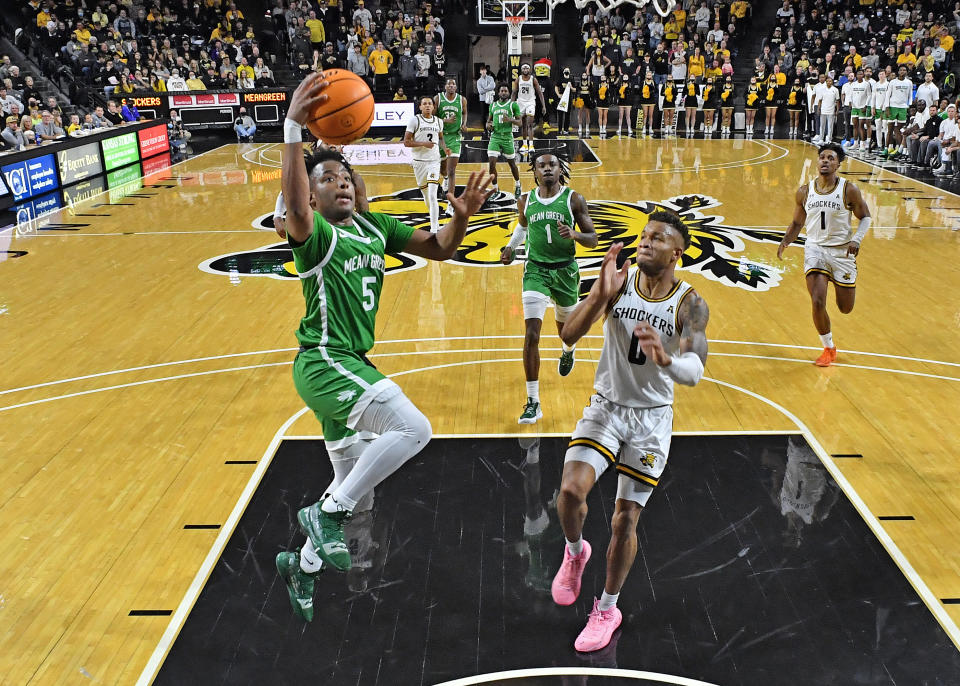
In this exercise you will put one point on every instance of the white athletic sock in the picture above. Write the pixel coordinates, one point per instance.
(533, 390)
(403, 431)
(310, 562)
(568, 348)
(433, 206)
(827, 340)
(607, 601)
(575, 547)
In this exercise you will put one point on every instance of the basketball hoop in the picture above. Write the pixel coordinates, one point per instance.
(663, 7)
(515, 27)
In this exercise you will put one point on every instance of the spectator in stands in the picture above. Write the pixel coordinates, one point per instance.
(244, 126)
(99, 118)
(74, 126)
(212, 80)
(129, 112)
(423, 70)
(12, 135)
(113, 113)
(87, 122)
(356, 62)
(263, 74)
(246, 76)
(486, 85)
(176, 82)
(29, 90)
(47, 130)
(26, 128)
(7, 101)
(399, 95)
(380, 61)
(317, 32)
(328, 58)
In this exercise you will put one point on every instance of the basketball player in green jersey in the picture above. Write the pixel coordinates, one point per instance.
(451, 107)
(504, 115)
(339, 255)
(546, 217)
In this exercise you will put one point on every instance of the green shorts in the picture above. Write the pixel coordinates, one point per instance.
(453, 141)
(858, 113)
(561, 284)
(501, 146)
(879, 114)
(338, 386)
(897, 114)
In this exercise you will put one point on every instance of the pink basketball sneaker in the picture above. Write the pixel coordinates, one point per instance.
(566, 584)
(600, 627)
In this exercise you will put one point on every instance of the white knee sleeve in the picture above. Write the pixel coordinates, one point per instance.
(534, 304)
(561, 313)
(433, 206)
(404, 432)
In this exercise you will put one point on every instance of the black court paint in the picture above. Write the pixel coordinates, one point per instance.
(753, 569)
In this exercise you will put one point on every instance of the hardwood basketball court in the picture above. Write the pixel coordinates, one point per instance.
(149, 338)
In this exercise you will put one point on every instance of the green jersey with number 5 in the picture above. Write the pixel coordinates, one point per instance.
(544, 242)
(341, 271)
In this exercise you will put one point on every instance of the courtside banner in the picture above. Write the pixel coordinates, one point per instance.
(153, 141)
(120, 150)
(31, 177)
(383, 153)
(391, 114)
(79, 163)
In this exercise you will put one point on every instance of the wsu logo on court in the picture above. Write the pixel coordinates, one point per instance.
(716, 251)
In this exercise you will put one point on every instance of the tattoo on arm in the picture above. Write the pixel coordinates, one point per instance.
(694, 315)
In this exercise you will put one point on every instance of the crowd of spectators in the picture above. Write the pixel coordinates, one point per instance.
(634, 58)
(397, 47)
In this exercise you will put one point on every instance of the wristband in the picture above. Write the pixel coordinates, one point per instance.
(292, 131)
(280, 210)
(686, 369)
(862, 230)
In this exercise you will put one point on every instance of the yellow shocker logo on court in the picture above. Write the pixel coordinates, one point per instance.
(717, 251)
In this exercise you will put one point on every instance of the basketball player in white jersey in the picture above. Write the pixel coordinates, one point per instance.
(526, 91)
(654, 334)
(424, 134)
(830, 252)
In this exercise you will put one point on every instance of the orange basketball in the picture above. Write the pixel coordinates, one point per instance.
(348, 112)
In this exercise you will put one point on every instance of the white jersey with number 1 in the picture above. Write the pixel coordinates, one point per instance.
(828, 218)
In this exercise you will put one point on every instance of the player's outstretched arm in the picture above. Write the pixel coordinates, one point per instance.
(587, 235)
(293, 173)
(598, 300)
(799, 219)
(443, 244)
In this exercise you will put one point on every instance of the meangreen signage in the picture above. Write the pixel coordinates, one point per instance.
(120, 150)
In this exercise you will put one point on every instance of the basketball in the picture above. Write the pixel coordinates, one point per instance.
(348, 112)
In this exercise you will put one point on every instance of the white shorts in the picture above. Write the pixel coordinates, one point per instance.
(832, 261)
(426, 172)
(635, 441)
(528, 109)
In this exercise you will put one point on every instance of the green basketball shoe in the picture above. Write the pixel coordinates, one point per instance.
(531, 412)
(565, 365)
(299, 584)
(325, 531)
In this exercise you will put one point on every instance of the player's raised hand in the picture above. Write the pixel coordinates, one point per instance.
(474, 194)
(611, 279)
(651, 344)
(308, 95)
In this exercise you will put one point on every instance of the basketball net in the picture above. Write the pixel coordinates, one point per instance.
(514, 28)
(663, 7)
